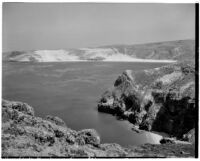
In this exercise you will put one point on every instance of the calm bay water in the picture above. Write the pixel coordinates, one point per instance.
(70, 90)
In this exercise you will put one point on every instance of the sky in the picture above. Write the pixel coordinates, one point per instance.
(36, 26)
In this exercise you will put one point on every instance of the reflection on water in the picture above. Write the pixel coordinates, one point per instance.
(71, 91)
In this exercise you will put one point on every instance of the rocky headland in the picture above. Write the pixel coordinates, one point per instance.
(160, 99)
(25, 135)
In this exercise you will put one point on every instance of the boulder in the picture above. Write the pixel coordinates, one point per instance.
(166, 140)
(88, 136)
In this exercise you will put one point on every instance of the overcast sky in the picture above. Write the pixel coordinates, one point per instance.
(29, 26)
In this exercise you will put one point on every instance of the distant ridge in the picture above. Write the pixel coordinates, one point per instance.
(169, 51)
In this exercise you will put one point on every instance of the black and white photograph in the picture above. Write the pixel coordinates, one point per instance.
(99, 80)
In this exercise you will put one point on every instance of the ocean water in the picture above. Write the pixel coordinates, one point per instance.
(71, 90)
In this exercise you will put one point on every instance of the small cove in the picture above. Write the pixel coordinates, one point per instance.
(70, 90)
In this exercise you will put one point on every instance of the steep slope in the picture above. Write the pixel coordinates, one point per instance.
(25, 135)
(160, 99)
(156, 52)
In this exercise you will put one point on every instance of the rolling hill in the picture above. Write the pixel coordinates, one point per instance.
(170, 51)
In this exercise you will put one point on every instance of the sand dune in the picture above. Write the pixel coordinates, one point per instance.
(85, 54)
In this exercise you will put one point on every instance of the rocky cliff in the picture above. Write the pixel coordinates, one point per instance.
(160, 99)
(156, 52)
(25, 135)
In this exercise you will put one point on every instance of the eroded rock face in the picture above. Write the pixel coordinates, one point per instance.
(161, 99)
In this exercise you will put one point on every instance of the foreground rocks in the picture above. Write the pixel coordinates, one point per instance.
(160, 99)
(25, 135)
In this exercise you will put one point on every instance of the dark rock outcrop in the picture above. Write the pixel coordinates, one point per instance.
(160, 99)
(167, 141)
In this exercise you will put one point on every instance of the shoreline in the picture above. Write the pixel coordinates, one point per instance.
(109, 61)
